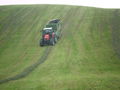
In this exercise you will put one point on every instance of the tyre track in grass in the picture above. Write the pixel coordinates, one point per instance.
(30, 68)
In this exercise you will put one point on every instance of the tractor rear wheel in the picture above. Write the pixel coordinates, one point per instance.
(41, 43)
(52, 42)
(56, 39)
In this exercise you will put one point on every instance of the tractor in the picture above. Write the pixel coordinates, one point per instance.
(51, 33)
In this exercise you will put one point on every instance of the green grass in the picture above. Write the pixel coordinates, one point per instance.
(86, 57)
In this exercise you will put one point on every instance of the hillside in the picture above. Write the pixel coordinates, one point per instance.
(87, 57)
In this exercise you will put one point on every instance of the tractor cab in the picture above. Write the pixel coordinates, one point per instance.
(47, 33)
(48, 36)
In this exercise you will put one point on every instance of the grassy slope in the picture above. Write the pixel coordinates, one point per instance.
(86, 57)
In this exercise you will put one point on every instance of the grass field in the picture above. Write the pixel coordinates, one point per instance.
(87, 57)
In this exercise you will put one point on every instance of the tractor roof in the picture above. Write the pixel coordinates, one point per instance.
(47, 28)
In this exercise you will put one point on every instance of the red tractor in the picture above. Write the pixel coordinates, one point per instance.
(51, 33)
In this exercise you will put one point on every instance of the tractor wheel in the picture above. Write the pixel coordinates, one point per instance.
(41, 43)
(56, 39)
(52, 42)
